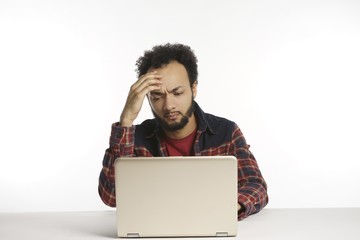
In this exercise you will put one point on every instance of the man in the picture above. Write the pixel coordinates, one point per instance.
(167, 77)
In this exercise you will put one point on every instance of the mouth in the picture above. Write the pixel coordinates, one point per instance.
(172, 116)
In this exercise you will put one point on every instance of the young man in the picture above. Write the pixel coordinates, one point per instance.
(168, 79)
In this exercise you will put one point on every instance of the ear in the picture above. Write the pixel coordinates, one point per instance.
(194, 89)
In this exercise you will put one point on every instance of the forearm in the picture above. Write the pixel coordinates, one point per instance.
(121, 144)
(252, 188)
(252, 197)
(106, 188)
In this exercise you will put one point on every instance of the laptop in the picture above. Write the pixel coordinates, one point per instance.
(193, 196)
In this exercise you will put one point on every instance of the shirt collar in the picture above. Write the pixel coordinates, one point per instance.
(202, 120)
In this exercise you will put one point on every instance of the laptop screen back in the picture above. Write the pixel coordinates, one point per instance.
(176, 196)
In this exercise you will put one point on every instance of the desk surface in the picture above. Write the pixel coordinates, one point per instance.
(337, 223)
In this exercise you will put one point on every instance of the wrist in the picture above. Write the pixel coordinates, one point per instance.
(125, 122)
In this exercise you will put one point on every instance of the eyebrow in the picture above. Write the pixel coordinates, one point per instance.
(171, 91)
(175, 89)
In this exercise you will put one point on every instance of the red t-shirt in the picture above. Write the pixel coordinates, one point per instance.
(181, 147)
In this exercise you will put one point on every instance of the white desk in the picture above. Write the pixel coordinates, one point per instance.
(289, 224)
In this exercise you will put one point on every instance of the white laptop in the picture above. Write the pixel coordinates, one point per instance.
(176, 196)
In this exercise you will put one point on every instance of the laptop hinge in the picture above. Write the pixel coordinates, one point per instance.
(221, 234)
(133, 235)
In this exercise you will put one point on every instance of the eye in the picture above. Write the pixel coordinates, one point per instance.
(178, 93)
(155, 96)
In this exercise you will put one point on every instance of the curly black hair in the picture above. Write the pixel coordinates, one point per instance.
(161, 55)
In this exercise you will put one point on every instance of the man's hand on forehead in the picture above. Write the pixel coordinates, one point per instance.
(144, 85)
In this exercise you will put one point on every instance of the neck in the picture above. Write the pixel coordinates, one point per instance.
(185, 131)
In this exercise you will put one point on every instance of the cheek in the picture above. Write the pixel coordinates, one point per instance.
(185, 103)
(156, 106)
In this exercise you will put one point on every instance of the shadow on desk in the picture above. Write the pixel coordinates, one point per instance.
(97, 224)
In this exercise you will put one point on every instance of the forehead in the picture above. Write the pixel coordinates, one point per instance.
(173, 75)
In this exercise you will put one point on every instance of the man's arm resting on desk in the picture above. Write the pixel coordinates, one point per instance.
(121, 143)
(252, 188)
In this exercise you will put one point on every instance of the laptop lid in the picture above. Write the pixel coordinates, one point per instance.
(176, 196)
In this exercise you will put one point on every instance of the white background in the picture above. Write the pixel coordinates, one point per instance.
(285, 71)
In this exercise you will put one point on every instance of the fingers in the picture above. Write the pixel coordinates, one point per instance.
(147, 82)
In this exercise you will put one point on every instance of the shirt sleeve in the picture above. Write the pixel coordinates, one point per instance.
(252, 188)
(121, 145)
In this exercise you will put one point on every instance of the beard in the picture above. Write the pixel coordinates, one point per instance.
(172, 127)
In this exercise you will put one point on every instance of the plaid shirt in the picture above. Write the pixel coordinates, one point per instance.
(215, 136)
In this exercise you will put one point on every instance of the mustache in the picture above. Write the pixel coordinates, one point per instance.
(172, 113)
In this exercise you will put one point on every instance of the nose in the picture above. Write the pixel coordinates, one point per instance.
(169, 102)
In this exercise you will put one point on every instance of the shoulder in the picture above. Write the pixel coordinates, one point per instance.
(218, 124)
(226, 130)
(213, 123)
